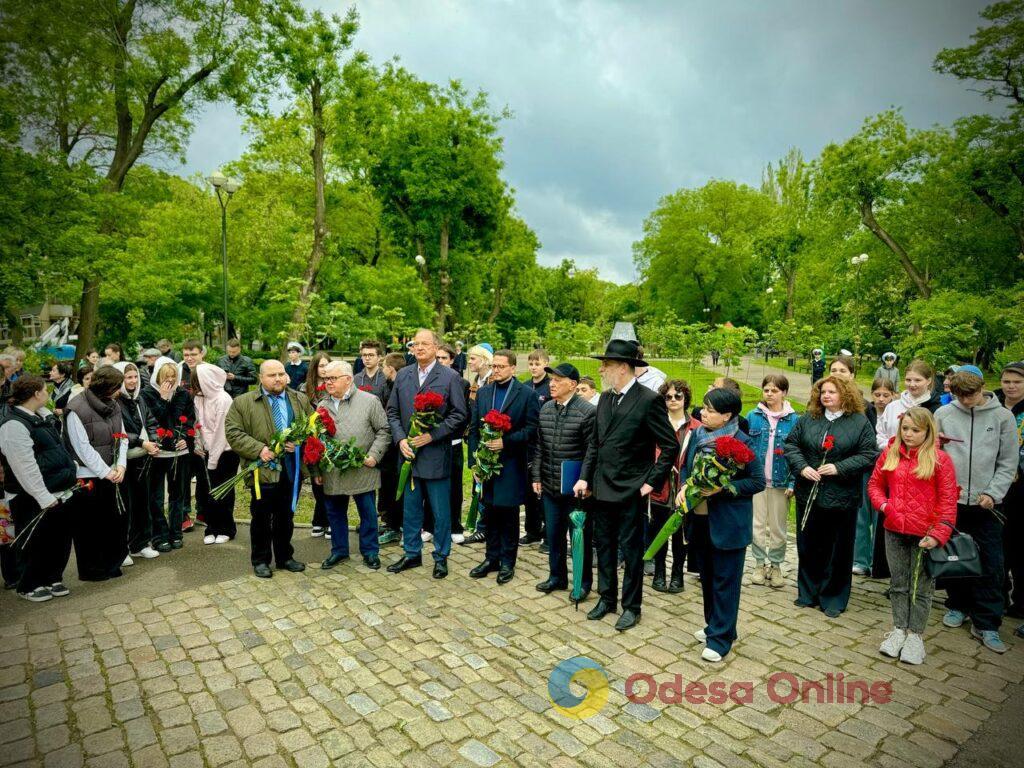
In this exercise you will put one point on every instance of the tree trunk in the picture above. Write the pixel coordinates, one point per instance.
(316, 257)
(867, 216)
(443, 279)
(497, 304)
(790, 293)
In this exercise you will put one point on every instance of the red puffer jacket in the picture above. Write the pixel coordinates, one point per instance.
(912, 505)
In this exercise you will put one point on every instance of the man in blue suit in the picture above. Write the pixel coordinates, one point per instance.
(430, 453)
(504, 493)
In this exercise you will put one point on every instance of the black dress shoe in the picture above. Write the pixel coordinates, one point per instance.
(405, 563)
(332, 560)
(583, 596)
(550, 586)
(474, 538)
(832, 613)
(262, 570)
(163, 546)
(675, 585)
(372, 562)
(528, 539)
(177, 544)
(627, 619)
(658, 585)
(505, 575)
(600, 610)
(440, 569)
(292, 565)
(544, 548)
(486, 567)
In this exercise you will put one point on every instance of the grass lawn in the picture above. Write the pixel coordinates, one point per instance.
(698, 378)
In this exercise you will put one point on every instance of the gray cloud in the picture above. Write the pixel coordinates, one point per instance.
(619, 103)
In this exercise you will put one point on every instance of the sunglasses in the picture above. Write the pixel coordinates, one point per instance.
(676, 396)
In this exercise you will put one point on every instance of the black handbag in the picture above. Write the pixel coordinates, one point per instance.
(958, 559)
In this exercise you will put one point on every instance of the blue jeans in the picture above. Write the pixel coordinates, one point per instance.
(439, 493)
(867, 521)
(559, 529)
(337, 517)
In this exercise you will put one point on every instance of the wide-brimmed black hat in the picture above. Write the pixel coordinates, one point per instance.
(623, 351)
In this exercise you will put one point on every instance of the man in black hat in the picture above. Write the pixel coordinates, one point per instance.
(621, 471)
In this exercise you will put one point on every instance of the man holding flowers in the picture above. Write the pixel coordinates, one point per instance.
(253, 423)
(502, 426)
(357, 417)
(426, 453)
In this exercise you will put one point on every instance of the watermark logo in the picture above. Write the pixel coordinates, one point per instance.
(584, 672)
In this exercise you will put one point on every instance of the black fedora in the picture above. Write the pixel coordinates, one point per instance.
(622, 351)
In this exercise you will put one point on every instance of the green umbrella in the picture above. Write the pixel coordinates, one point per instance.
(474, 507)
(578, 518)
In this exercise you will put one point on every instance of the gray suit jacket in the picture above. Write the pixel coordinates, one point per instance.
(434, 460)
(360, 417)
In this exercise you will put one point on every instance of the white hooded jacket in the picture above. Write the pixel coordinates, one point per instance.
(211, 410)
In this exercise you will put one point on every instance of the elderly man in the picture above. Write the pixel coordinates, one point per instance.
(431, 453)
(358, 416)
(252, 422)
(504, 493)
(479, 362)
(621, 471)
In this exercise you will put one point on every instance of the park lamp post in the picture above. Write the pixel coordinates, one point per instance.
(858, 262)
(225, 188)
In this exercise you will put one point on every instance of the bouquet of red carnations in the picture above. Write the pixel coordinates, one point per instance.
(495, 425)
(426, 408)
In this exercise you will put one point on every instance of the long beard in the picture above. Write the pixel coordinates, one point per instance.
(607, 383)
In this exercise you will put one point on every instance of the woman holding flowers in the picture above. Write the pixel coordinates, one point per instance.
(914, 487)
(172, 406)
(720, 526)
(829, 449)
(212, 403)
(316, 393)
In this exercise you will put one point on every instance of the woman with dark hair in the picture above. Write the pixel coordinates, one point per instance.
(844, 367)
(93, 429)
(316, 393)
(829, 449)
(720, 528)
(172, 407)
(769, 424)
(60, 377)
(140, 426)
(677, 401)
(212, 404)
(82, 378)
(37, 469)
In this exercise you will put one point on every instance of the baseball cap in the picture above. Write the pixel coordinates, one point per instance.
(1017, 366)
(565, 370)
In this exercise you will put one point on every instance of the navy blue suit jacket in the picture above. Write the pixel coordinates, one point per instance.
(731, 517)
(434, 460)
(509, 488)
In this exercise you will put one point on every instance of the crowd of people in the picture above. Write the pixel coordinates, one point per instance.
(121, 459)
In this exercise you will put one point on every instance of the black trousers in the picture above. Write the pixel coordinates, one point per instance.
(166, 471)
(659, 515)
(502, 535)
(272, 523)
(197, 465)
(100, 532)
(980, 598)
(1013, 547)
(618, 523)
(390, 509)
(220, 514)
(720, 578)
(136, 490)
(319, 507)
(558, 534)
(43, 556)
(825, 549)
(533, 525)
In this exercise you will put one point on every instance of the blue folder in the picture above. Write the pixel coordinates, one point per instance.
(570, 475)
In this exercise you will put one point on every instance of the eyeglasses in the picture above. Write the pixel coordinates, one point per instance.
(330, 378)
(675, 396)
(499, 367)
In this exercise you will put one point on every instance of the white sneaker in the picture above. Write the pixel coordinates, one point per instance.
(222, 539)
(426, 536)
(146, 553)
(913, 649)
(893, 643)
(209, 538)
(709, 655)
(458, 538)
(701, 636)
(127, 561)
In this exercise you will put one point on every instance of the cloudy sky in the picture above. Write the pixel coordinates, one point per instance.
(619, 103)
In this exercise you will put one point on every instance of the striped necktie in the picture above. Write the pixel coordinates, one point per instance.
(280, 411)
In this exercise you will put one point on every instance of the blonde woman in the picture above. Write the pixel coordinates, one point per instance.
(919, 380)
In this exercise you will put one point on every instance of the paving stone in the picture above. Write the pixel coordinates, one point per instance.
(478, 753)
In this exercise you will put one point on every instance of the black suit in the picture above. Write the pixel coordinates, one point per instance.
(621, 460)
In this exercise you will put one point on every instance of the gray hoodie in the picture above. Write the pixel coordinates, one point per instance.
(986, 460)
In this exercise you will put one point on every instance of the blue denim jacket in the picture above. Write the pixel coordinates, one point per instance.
(760, 434)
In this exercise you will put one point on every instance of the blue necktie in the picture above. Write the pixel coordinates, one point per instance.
(280, 412)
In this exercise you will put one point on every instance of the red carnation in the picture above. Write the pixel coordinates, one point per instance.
(183, 419)
(328, 422)
(498, 420)
(321, 387)
(828, 443)
(191, 433)
(365, 388)
(730, 448)
(779, 452)
(313, 450)
(198, 426)
(428, 401)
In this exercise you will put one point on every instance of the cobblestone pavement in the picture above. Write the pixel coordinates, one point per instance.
(353, 667)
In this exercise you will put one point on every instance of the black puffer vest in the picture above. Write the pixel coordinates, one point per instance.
(101, 420)
(55, 462)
